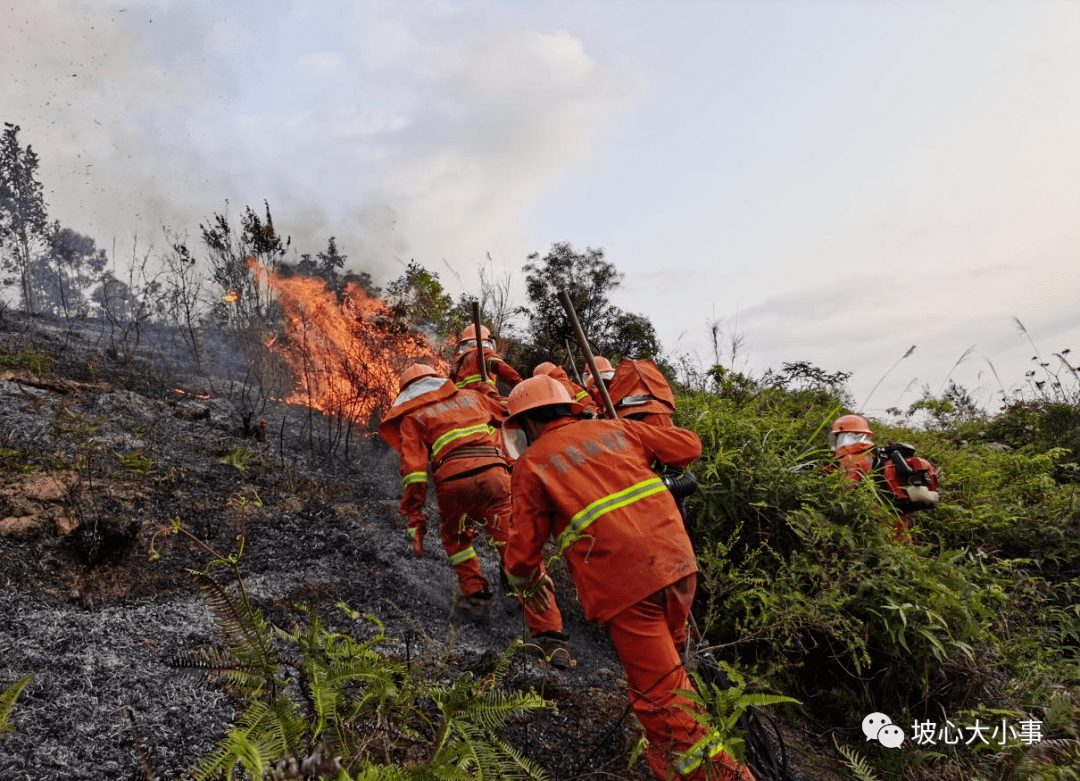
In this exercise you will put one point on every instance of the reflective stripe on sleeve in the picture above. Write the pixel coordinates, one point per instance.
(706, 748)
(462, 556)
(457, 433)
(581, 395)
(584, 519)
(414, 477)
(471, 379)
(518, 581)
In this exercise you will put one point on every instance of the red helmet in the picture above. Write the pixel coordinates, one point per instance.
(542, 369)
(469, 334)
(541, 391)
(415, 372)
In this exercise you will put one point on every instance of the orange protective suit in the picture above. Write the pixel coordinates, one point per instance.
(589, 485)
(577, 393)
(466, 370)
(454, 430)
(639, 391)
(859, 460)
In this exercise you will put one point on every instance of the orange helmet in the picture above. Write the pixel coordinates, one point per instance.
(469, 334)
(602, 364)
(539, 391)
(415, 372)
(853, 424)
(850, 424)
(542, 369)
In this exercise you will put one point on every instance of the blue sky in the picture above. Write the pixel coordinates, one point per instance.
(836, 180)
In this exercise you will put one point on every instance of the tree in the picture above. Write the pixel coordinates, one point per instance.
(248, 301)
(589, 279)
(25, 232)
(72, 266)
(419, 301)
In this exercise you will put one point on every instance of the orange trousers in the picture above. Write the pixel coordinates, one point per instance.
(649, 638)
(467, 505)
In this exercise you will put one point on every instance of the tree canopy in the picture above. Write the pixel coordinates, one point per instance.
(589, 279)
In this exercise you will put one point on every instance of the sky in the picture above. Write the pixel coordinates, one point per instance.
(833, 182)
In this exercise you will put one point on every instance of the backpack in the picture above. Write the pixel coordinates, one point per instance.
(909, 481)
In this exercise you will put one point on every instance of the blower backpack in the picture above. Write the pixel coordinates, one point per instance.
(910, 481)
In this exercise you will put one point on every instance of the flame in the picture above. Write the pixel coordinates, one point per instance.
(182, 392)
(231, 296)
(344, 355)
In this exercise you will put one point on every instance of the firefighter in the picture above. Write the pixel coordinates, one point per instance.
(577, 393)
(465, 371)
(588, 484)
(852, 443)
(639, 391)
(607, 371)
(454, 430)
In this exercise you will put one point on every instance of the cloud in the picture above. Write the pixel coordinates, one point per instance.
(422, 129)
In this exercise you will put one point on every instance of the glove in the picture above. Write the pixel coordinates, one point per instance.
(416, 530)
(535, 596)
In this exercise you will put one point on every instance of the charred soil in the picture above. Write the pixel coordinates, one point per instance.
(98, 455)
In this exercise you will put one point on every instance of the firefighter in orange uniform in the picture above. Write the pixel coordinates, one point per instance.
(466, 368)
(852, 442)
(607, 371)
(589, 485)
(454, 430)
(639, 391)
(577, 393)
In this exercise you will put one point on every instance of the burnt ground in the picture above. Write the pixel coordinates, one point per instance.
(98, 452)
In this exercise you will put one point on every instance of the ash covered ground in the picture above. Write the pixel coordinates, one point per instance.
(101, 452)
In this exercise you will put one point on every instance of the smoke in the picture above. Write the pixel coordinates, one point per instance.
(407, 130)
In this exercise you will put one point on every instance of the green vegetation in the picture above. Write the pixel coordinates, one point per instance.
(337, 706)
(7, 702)
(805, 589)
(30, 360)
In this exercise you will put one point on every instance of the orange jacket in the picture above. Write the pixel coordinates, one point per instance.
(577, 393)
(639, 387)
(856, 460)
(454, 430)
(466, 370)
(588, 484)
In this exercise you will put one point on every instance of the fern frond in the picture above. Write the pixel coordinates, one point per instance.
(242, 627)
(856, 764)
(7, 701)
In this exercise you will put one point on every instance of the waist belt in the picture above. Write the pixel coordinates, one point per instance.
(472, 451)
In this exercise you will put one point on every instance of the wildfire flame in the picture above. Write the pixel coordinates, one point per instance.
(344, 355)
(231, 296)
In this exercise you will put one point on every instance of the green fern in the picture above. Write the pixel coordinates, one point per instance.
(856, 764)
(7, 702)
(311, 692)
(722, 707)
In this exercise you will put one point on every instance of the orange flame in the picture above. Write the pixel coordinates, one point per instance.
(231, 296)
(344, 355)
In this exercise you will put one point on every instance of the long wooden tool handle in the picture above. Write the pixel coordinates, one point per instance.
(479, 342)
(564, 299)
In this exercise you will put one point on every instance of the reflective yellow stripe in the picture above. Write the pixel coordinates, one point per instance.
(414, 477)
(581, 395)
(691, 760)
(457, 433)
(462, 556)
(583, 519)
(473, 378)
(411, 531)
(518, 582)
